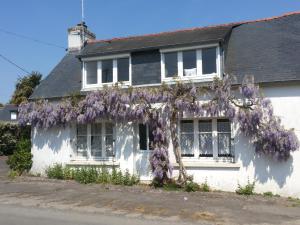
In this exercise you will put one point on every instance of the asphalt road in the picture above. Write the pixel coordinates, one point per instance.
(18, 215)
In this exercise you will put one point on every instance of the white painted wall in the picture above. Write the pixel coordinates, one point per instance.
(56, 145)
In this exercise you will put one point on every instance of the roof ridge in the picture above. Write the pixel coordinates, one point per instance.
(195, 28)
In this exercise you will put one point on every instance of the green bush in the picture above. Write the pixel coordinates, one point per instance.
(268, 194)
(171, 186)
(204, 187)
(191, 186)
(55, 172)
(248, 189)
(21, 160)
(10, 135)
(87, 175)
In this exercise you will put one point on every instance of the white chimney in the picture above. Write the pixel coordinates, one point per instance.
(78, 35)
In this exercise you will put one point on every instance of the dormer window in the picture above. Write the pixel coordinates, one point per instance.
(199, 63)
(106, 71)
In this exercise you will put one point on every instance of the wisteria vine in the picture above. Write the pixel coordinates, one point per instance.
(162, 107)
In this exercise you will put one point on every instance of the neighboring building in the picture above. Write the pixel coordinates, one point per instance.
(9, 113)
(268, 49)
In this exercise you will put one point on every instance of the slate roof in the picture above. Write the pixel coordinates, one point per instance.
(5, 112)
(192, 36)
(268, 49)
(63, 80)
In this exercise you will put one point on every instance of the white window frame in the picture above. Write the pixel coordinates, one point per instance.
(148, 139)
(13, 115)
(199, 76)
(89, 156)
(114, 58)
(196, 147)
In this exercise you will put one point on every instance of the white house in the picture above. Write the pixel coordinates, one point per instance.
(267, 49)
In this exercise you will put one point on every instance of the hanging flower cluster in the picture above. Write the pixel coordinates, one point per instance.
(248, 108)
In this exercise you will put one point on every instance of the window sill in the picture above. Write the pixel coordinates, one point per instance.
(198, 164)
(198, 78)
(93, 163)
(101, 86)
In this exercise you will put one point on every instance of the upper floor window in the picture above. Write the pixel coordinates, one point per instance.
(186, 63)
(106, 71)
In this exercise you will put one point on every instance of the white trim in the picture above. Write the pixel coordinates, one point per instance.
(200, 77)
(165, 50)
(89, 157)
(198, 164)
(196, 146)
(97, 58)
(100, 84)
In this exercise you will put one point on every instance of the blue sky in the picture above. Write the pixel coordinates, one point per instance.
(48, 20)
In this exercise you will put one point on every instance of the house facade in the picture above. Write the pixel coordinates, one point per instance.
(213, 149)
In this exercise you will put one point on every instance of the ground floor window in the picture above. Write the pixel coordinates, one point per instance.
(145, 137)
(205, 138)
(95, 141)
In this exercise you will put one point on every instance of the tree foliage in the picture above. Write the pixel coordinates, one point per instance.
(24, 87)
(245, 106)
(10, 134)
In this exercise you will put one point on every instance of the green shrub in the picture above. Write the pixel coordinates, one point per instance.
(171, 186)
(248, 189)
(86, 175)
(104, 176)
(191, 186)
(13, 174)
(204, 187)
(55, 172)
(21, 160)
(10, 135)
(268, 194)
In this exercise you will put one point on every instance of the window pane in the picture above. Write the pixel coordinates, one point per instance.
(143, 136)
(109, 140)
(91, 72)
(151, 139)
(224, 137)
(96, 141)
(187, 126)
(205, 138)
(224, 144)
(209, 56)
(205, 141)
(82, 140)
(205, 126)
(123, 69)
(224, 126)
(107, 71)
(187, 138)
(187, 144)
(171, 64)
(189, 63)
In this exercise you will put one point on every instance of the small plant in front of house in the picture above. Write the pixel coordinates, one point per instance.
(268, 194)
(171, 185)
(88, 175)
(248, 189)
(191, 186)
(55, 172)
(204, 187)
(21, 160)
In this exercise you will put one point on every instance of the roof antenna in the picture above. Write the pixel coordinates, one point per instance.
(82, 11)
(82, 22)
